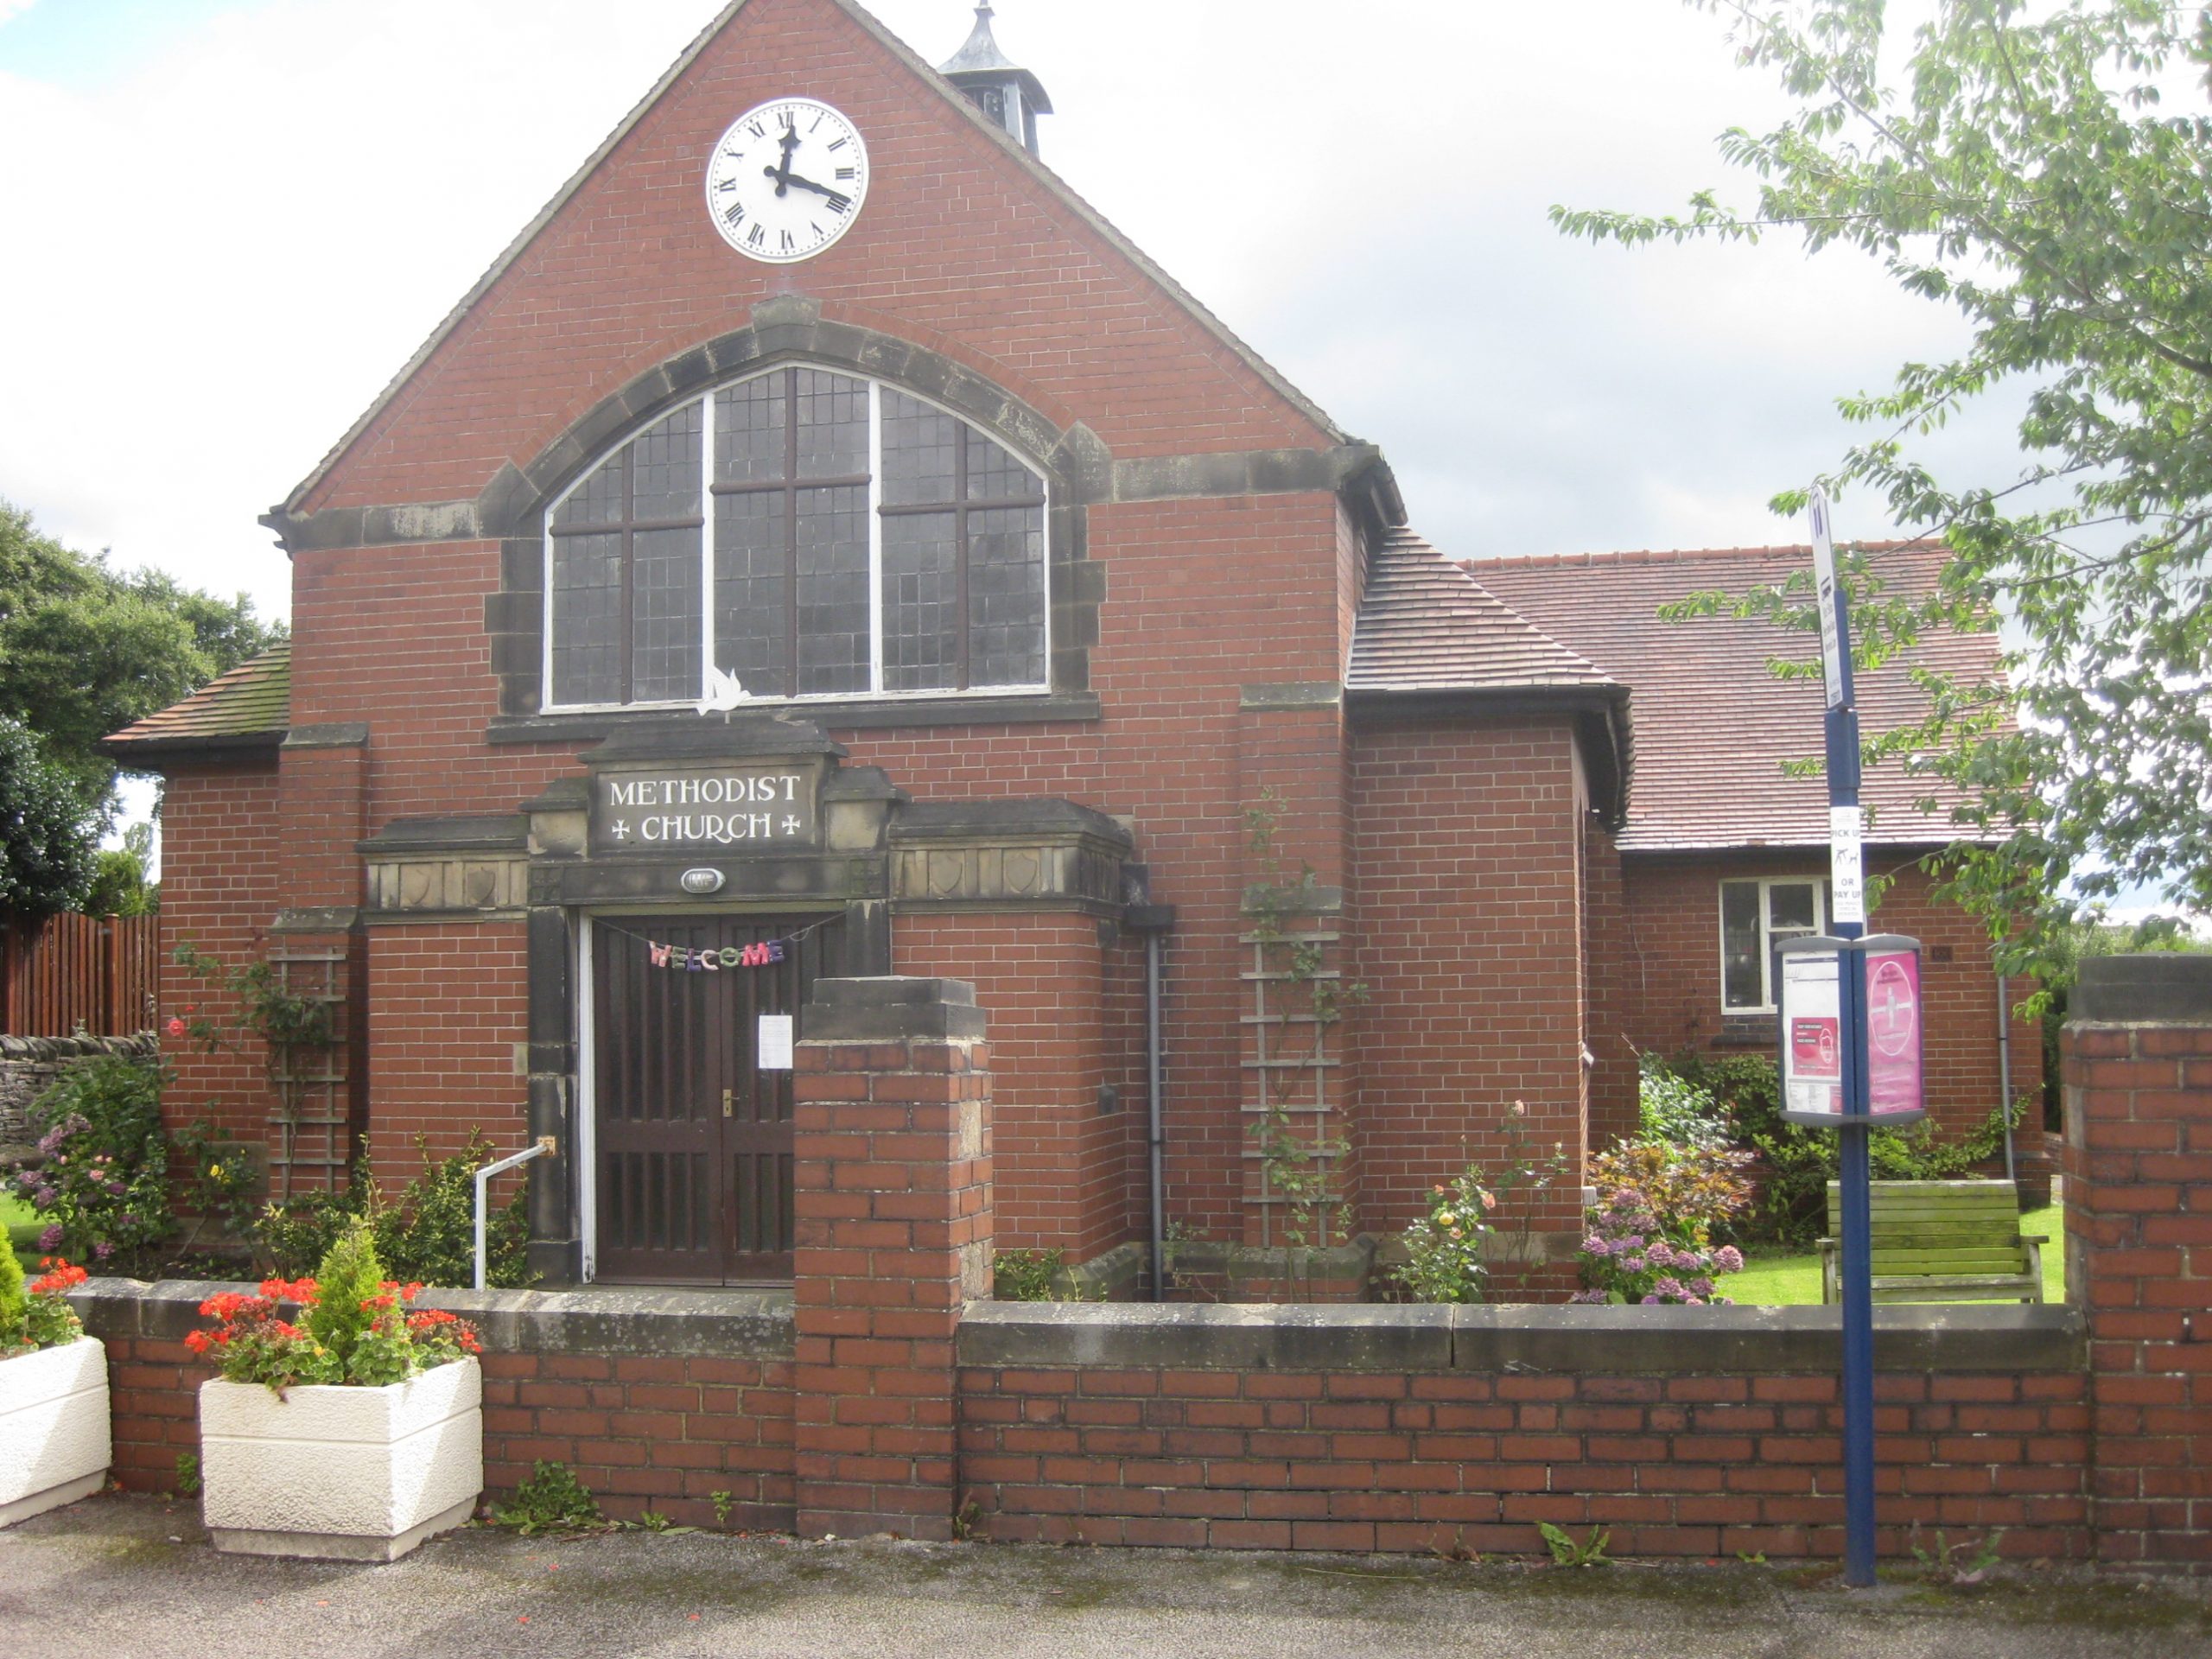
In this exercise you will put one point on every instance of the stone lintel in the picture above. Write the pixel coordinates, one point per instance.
(342, 734)
(892, 1008)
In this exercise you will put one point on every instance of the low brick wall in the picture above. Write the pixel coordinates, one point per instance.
(1696, 1432)
(656, 1398)
(1693, 1432)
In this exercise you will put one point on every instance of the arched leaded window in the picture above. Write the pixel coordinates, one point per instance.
(815, 535)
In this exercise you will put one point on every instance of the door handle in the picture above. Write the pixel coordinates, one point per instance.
(729, 1106)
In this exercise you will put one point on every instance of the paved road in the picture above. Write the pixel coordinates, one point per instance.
(119, 1578)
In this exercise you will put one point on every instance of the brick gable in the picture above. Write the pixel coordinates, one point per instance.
(965, 245)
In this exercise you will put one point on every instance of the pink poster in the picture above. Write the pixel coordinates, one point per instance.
(1893, 1010)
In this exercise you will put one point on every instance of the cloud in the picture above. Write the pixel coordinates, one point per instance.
(15, 9)
(234, 242)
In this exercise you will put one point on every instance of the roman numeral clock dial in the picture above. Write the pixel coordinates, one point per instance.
(786, 181)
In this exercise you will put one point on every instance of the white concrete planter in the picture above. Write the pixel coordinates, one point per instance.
(54, 1428)
(341, 1473)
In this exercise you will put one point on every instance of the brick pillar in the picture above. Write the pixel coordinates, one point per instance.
(2138, 1217)
(892, 1144)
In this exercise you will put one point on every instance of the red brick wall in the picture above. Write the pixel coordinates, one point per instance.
(219, 844)
(642, 1431)
(1465, 872)
(1061, 1166)
(448, 1004)
(1703, 1465)
(1613, 1090)
(1671, 993)
(2139, 1163)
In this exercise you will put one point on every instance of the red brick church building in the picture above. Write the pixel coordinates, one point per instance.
(822, 545)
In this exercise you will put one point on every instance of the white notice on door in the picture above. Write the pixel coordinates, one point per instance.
(775, 1045)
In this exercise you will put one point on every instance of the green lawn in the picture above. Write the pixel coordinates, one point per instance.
(22, 1225)
(1780, 1278)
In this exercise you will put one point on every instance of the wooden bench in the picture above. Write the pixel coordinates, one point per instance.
(1940, 1242)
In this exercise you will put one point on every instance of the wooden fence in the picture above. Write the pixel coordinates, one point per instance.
(99, 972)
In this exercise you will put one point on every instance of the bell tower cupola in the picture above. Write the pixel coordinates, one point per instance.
(1011, 97)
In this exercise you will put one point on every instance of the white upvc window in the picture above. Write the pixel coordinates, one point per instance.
(1756, 916)
(810, 534)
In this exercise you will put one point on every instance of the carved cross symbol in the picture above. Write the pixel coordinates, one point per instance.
(620, 829)
(791, 825)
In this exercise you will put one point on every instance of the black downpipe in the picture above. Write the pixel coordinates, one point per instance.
(1155, 922)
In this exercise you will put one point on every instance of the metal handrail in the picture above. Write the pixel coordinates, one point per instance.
(544, 1146)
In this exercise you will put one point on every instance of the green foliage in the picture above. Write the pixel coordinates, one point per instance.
(551, 1501)
(262, 1004)
(1447, 1244)
(427, 1235)
(49, 835)
(1796, 1163)
(1566, 1552)
(1673, 1109)
(2019, 163)
(187, 1474)
(14, 1303)
(349, 1284)
(85, 650)
(104, 1192)
(724, 1501)
(122, 879)
(1025, 1275)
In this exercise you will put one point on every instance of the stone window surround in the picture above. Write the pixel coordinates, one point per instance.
(712, 486)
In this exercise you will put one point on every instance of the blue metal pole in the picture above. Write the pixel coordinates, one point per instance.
(1854, 1174)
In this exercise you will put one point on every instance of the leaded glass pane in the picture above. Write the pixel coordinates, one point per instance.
(921, 603)
(1742, 975)
(995, 475)
(752, 590)
(587, 619)
(833, 596)
(749, 430)
(1006, 595)
(666, 457)
(832, 425)
(1789, 906)
(918, 452)
(665, 615)
(597, 501)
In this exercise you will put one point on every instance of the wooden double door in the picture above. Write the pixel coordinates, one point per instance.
(693, 1160)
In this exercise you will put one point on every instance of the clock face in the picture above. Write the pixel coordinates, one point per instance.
(786, 180)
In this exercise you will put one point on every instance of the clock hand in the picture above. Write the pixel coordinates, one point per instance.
(782, 174)
(836, 199)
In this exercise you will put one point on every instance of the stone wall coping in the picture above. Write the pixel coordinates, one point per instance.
(2154, 988)
(610, 1320)
(1515, 1339)
(1512, 1338)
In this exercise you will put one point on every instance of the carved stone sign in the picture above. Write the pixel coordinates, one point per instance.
(764, 808)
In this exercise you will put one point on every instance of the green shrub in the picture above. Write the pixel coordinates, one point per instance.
(103, 1191)
(348, 1286)
(427, 1236)
(14, 1303)
(1447, 1244)
(551, 1500)
(1798, 1162)
(1025, 1275)
(1672, 1109)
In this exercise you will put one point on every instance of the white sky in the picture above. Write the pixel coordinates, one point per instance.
(231, 220)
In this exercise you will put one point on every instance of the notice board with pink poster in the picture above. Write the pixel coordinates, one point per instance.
(1813, 1034)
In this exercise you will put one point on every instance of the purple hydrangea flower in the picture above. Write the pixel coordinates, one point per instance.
(42, 1197)
(1669, 1290)
(50, 1238)
(102, 1251)
(1729, 1260)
